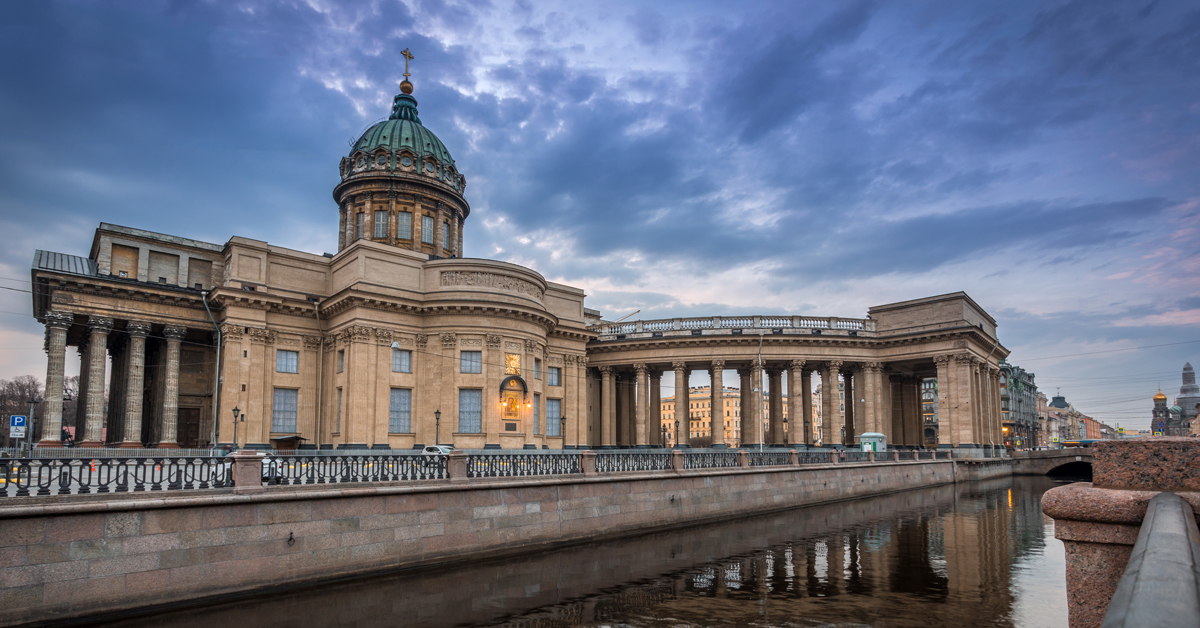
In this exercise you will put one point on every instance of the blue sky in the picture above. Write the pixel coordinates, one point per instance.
(681, 158)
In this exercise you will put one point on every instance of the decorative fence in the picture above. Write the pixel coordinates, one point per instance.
(521, 465)
(52, 476)
(710, 459)
(638, 461)
(21, 477)
(771, 458)
(280, 469)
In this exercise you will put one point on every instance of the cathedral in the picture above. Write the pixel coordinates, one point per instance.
(1178, 419)
(397, 340)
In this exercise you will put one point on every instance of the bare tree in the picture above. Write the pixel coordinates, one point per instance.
(15, 395)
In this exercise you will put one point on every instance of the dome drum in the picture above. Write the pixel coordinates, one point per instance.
(400, 186)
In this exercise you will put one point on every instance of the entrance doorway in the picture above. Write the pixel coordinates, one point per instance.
(189, 428)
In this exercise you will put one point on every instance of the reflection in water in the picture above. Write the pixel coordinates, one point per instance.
(979, 554)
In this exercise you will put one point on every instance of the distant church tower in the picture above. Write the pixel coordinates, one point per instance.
(1189, 396)
(400, 186)
(1160, 417)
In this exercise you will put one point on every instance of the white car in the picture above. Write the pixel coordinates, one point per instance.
(437, 450)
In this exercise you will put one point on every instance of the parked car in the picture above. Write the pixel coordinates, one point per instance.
(437, 450)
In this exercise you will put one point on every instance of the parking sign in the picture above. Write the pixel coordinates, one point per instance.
(16, 425)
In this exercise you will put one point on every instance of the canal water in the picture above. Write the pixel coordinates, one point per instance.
(978, 554)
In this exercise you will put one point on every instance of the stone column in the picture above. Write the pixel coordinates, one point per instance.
(135, 382)
(752, 430)
(947, 434)
(796, 401)
(170, 415)
(642, 409)
(964, 400)
(682, 415)
(873, 408)
(341, 227)
(852, 380)
(806, 403)
(79, 421)
(98, 329)
(745, 399)
(830, 418)
(608, 402)
(57, 324)
(775, 406)
(655, 427)
(716, 420)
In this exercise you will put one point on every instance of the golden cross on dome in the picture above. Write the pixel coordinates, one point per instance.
(408, 56)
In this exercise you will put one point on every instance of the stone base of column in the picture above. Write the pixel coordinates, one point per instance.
(167, 446)
(90, 444)
(718, 446)
(749, 446)
(643, 446)
(130, 444)
(48, 444)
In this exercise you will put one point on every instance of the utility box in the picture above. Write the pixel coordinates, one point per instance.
(873, 441)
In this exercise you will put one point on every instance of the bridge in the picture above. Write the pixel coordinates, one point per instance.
(1071, 461)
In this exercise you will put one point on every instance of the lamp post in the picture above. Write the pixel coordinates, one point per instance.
(437, 426)
(237, 415)
(676, 433)
(562, 430)
(664, 436)
(29, 434)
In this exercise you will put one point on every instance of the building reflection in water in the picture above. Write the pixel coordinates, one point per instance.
(935, 557)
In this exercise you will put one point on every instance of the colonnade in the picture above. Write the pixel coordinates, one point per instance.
(126, 401)
(877, 398)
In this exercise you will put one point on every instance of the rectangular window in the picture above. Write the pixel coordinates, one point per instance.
(404, 225)
(470, 411)
(553, 417)
(283, 413)
(470, 362)
(554, 376)
(287, 361)
(341, 360)
(338, 427)
(401, 361)
(427, 229)
(358, 226)
(380, 224)
(446, 236)
(400, 411)
(537, 406)
(537, 368)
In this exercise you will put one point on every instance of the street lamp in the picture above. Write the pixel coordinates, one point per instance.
(29, 434)
(664, 436)
(562, 430)
(676, 434)
(437, 426)
(237, 417)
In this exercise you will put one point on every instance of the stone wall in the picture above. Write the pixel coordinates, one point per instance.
(67, 557)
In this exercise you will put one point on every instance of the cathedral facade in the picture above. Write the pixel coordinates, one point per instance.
(397, 341)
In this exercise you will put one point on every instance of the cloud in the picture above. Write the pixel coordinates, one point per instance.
(686, 159)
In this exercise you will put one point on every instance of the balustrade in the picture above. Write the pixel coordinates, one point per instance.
(618, 462)
(735, 322)
(521, 465)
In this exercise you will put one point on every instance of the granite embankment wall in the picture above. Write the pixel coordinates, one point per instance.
(88, 555)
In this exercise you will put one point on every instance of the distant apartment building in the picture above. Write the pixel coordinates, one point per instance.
(1018, 407)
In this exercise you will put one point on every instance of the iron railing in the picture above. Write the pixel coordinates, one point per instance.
(710, 459)
(521, 465)
(317, 469)
(770, 458)
(637, 461)
(853, 456)
(23, 477)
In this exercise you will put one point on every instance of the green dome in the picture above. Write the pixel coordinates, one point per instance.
(403, 130)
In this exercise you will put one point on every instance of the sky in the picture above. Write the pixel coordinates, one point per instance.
(677, 158)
